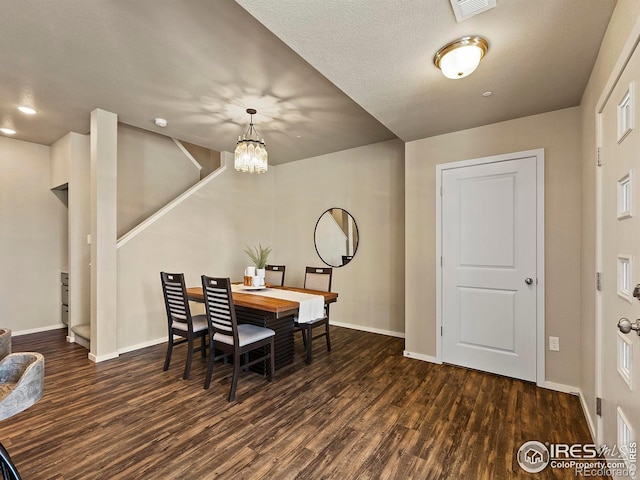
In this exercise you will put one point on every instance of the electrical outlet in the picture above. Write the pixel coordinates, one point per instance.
(554, 344)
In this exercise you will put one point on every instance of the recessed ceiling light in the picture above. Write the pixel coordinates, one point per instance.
(27, 110)
(8, 131)
(160, 122)
(488, 93)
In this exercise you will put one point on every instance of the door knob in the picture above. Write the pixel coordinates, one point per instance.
(528, 280)
(625, 326)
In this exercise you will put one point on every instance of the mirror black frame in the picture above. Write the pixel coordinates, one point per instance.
(345, 259)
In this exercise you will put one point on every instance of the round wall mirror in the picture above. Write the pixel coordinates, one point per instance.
(336, 237)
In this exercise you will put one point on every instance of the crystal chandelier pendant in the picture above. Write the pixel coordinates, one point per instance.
(251, 154)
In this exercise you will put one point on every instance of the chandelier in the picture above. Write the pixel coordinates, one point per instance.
(251, 154)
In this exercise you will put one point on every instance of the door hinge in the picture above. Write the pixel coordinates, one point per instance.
(440, 260)
(440, 190)
(441, 331)
(598, 406)
(598, 159)
(599, 281)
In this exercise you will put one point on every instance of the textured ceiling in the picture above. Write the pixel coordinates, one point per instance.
(342, 73)
(197, 63)
(380, 53)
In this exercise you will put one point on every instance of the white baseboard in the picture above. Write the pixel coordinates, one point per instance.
(102, 358)
(129, 348)
(420, 356)
(380, 331)
(560, 387)
(587, 415)
(38, 330)
(138, 346)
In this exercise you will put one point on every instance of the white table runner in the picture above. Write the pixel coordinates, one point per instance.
(311, 306)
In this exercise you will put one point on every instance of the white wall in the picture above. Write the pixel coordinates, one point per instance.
(70, 164)
(559, 134)
(208, 231)
(59, 162)
(368, 182)
(205, 234)
(79, 228)
(152, 171)
(33, 238)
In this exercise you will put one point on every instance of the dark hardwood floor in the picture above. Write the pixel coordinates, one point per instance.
(362, 411)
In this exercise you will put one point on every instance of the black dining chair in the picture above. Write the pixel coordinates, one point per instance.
(227, 336)
(7, 467)
(315, 278)
(274, 275)
(180, 321)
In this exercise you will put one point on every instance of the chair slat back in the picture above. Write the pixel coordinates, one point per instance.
(218, 301)
(274, 274)
(175, 298)
(318, 278)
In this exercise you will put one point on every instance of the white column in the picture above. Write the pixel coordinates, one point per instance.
(104, 160)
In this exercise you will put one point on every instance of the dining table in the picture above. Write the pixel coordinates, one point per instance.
(256, 307)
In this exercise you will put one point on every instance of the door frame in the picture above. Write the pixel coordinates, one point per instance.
(538, 157)
(623, 59)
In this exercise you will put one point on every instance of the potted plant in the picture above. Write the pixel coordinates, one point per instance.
(259, 257)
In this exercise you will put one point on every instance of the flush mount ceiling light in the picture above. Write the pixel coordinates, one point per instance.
(251, 154)
(461, 57)
(7, 131)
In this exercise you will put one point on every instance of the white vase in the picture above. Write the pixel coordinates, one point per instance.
(260, 272)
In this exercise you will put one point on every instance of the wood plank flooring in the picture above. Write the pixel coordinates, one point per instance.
(362, 411)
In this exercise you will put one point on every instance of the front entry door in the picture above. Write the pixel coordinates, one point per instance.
(489, 282)
(619, 247)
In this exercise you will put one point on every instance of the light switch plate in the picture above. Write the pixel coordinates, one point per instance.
(554, 344)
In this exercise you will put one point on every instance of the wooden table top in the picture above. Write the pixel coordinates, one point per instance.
(268, 304)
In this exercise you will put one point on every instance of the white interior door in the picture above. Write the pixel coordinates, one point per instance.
(619, 238)
(489, 281)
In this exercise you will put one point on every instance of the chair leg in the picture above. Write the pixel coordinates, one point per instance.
(327, 335)
(309, 341)
(304, 337)
(203, 347)
(272, 360)
(167, 360)
(207, 380)
(236, 373)
(187, 367)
